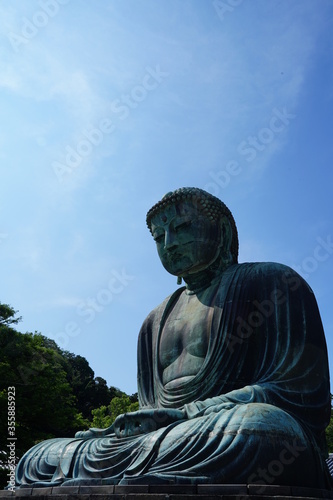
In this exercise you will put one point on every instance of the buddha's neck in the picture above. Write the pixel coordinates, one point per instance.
(203, 279)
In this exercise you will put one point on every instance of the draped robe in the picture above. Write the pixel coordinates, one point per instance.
(256, 411)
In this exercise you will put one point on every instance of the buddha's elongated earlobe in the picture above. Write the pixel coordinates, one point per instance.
(179, 280)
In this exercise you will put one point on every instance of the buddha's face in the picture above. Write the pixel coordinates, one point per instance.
(187, 240)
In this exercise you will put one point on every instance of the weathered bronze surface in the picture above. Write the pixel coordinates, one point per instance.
(232, 373)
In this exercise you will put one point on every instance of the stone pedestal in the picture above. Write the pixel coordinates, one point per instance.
(171, 492)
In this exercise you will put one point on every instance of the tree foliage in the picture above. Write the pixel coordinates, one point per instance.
(7, 315)
(56, 391)
(44, 400)
(105, 415)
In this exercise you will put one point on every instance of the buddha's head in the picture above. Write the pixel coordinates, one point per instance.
(193, 231)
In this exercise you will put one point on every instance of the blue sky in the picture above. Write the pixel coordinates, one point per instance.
(108, 105)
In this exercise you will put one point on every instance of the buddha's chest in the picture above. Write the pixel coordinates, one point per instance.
(186, 332)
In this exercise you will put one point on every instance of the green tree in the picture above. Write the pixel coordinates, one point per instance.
(36, 372)
(56, 392)
(90, 391)
(7, 315)
(45, 403)
(105, 415)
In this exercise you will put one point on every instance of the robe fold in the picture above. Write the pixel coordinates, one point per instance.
(256, 411)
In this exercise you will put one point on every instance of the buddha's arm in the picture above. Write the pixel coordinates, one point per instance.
(94, 433)
(135, 423)
(145, 421)
(245, 395)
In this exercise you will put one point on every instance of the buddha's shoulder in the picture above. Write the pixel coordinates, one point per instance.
(264, 272)
(265, 268)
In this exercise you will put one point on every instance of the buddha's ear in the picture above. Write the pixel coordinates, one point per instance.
(226, 233)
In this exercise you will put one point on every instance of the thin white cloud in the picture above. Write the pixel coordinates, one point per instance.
(66, 301)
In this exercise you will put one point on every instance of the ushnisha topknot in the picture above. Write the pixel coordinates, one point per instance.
(210, 205)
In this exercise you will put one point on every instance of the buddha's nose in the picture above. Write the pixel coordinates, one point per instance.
(170, 240)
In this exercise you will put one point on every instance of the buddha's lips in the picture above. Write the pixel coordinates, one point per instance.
(175, 256)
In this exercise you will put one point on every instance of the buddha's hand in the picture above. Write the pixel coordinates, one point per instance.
(145, 421)
(227, 405)
(94, 433)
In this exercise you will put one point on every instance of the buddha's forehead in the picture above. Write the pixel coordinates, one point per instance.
(175, 210)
